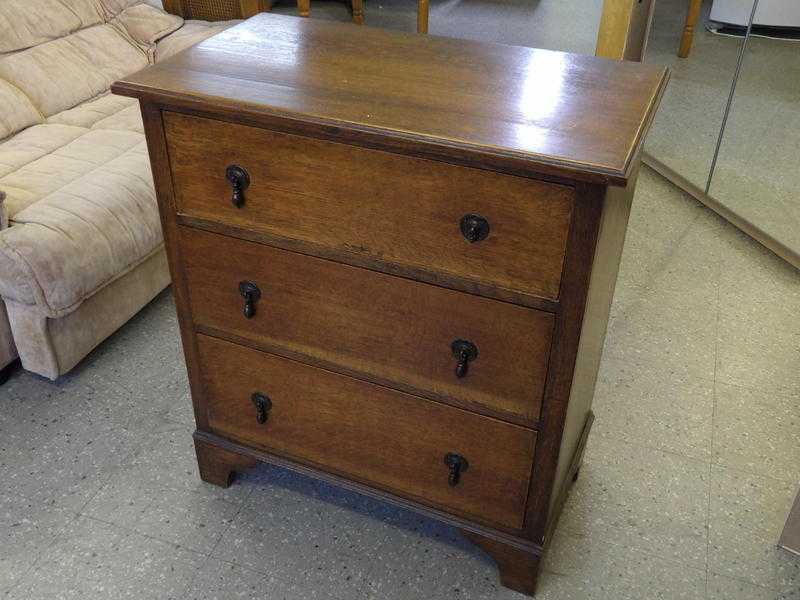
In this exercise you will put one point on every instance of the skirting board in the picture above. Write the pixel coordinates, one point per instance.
(788, 254)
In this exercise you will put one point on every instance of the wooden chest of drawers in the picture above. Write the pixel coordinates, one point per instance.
(393, 260)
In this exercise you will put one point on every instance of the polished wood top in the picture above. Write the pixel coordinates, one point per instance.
(508, 107)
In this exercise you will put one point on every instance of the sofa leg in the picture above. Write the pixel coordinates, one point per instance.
(6, 371)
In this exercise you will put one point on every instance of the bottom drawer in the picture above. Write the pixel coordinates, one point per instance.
(372, 434)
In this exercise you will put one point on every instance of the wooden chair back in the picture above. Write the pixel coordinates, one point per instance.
(216, 10)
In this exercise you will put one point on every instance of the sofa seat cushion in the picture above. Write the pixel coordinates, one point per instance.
(106, 112)
(83, 235)
(17, 111)
(82, 156)
(34, 143)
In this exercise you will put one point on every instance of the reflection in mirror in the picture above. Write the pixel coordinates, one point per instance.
(684, 135)
(757, 173)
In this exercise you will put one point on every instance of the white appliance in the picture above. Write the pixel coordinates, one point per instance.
(773, 13)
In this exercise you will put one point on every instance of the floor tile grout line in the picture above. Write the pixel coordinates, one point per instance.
(642, 445)
(33, 566)
(713, 419)
(787, 393)
(130, 530)
(210, 555)
(241, 566)
(663, 372)
(74, 514)
(637, 445)
(239, 510)
(791, 482)
(638, 550)
(749, 582)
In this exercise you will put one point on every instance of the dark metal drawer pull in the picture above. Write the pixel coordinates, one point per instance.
(457, 465)
(263, 405)
(251, 294)
(474, 228)
(239, 180)
(464, 352)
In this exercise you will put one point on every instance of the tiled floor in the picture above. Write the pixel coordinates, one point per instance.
(690, 472)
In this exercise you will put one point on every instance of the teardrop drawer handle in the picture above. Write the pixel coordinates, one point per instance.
(464, 352)
(240, 181)
(457, 465)
(251, 294)
(474, 228)
(263, 405)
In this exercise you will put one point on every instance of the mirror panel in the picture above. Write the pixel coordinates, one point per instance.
(686, 130)
(757, 174)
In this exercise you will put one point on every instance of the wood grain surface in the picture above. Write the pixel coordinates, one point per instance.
(390, 330)
(390, 439)
(566, 114)
(390, 208)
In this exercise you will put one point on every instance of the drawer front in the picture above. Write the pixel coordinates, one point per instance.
(401, 211)
(393, 330)
(369, 433)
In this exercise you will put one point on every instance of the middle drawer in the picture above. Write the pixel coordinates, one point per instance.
(391, 330)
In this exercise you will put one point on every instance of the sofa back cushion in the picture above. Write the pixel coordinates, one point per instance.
(17, 111)
(147, 24)
(111, 8)
(60, 53)
(60, 74)
(28, 23)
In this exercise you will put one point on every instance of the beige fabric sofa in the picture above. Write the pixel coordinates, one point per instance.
(81, 249)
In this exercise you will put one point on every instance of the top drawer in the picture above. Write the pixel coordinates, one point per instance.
(404, 212)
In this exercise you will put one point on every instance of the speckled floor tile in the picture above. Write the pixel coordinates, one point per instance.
(94, 560)
(667, 245)
(413, 557)
(747, 513)
(166, 460)
(759, 332)
(34, 409)
(641, 498)
(294, 530)
(758, 431)
(69, 467)
(181, 410)
(26, 529)
(669, 330)
(654, 409)
(185, 518)
(727, 588)
(594, 567)
(664, 313)
(217, 580)
(158, 492)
